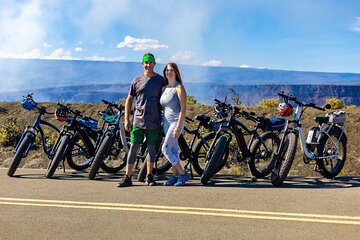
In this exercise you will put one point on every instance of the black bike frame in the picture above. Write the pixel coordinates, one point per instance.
(37, 126)
(231, 128)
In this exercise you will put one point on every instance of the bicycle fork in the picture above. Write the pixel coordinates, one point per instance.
(29, 130)
(278, 157)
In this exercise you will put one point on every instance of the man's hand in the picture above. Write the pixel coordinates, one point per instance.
(127, 125)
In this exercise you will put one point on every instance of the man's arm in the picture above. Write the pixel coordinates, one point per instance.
(128, 105)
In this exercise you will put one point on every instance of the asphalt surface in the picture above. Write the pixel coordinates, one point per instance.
(73, 207)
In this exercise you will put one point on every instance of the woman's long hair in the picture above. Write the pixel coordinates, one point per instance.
(177, 72)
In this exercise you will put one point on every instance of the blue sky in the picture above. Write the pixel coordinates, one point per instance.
(307, 35)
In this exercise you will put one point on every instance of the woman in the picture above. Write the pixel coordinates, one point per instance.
(173, 101)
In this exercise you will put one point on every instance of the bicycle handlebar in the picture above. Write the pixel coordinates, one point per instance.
(238, 111)
(76, 112)
(222, 104)
(112, 104)
(43, 110)
(303, 104)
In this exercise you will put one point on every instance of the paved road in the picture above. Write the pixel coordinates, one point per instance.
(72, 207)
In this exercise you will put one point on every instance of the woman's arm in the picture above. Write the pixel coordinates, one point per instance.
(181, 93)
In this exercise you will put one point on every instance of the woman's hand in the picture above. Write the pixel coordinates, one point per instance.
(176, 132)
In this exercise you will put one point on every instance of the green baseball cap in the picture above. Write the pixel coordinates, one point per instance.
(148, 58)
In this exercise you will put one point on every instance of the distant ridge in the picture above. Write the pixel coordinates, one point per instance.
(89, 81)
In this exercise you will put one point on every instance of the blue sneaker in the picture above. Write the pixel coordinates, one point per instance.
(182, 179)
(171, 181)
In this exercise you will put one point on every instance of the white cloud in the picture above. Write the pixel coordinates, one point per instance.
(244, 66)
(97, 58)
(78, 49)
(34, 54)
(212, 63)
(356, 25)
(6, 54)
(21, 26)
(47, 45)
(141, 44)
(60, 54)
(183, 56)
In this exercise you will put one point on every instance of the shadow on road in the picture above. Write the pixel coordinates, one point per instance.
(229, 181)
(290, 182)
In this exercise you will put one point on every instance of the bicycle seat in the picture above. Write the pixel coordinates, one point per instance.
(321, 119)
(203, 118)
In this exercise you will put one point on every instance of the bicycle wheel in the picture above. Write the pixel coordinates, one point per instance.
(99, 156)
(77, 154)
(285, 160)
(215, 160)
(262, 150)
(26, 141)
(330, 167)
(59, 155)
(161, 165)
(115, 160)
(199, 154)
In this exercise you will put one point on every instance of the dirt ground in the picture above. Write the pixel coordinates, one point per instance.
(12, 111)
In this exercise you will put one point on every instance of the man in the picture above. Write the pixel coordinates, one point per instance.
(146, 89)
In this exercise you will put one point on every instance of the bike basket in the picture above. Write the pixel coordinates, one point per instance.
(106, 117)
(273, 124)
(337, 117)
(89, 123)
(214, 125)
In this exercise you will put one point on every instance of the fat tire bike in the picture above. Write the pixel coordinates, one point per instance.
(28, 137)
(260, 147)
(325, 143)
(112, 149)
(76, 140)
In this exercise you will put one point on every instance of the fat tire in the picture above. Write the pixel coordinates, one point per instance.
(26, 141)
(340, 161)
(254, 149)
(286, 160)
(99, 156)
(59, 155)
(215, 160)
(69, 156)
(106, 164)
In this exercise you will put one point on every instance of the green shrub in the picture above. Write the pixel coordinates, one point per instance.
(50, 138)
(269, 103)
(351, 106)
(190, 100)
(335, 103)
(10, 132)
